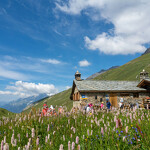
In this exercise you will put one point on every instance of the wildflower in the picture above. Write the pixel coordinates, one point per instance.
(77, 140)
(102, 131)
(69, 145)
(126, 129)
(133, 138)
(37, 141)
(33, 132)
(117, 123)
(61, 147)
(123, 138)
(73, 145)
(46, 139)
(4, 139)
(78, 147)
(121, 131)
(64, 137)
(2, 144)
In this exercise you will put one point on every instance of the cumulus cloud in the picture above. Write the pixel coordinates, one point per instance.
(131, 26)
(84, 63)
(25, 89)
(51, 61)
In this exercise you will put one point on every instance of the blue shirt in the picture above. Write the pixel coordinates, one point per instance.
(108, 105)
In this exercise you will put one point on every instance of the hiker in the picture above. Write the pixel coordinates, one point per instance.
(45, 109)
(102, 105)
(108, 104)
(88, 109)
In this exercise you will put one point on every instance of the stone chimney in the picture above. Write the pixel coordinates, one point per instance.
(144, 75)
(78, 76)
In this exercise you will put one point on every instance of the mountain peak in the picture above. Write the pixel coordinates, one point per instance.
(147, 51)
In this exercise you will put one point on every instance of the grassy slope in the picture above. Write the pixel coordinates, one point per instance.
(129, 71)
(60, 99)
(5, 113)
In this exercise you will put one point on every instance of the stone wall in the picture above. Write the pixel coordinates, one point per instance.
(127, 99)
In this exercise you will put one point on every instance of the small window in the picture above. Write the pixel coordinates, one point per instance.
(136, 95)
(101, 99)
(96, 97)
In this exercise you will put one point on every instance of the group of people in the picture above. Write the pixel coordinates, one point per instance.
(47, 111)
(89, 107)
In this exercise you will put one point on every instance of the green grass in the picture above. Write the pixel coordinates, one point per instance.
(129, 71)
(5, 113)
(60, 99)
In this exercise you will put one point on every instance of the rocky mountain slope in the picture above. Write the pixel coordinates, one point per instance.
(147, 51)
(18, 106)
(100, 72)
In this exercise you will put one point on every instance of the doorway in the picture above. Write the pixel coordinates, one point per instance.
(113, 99)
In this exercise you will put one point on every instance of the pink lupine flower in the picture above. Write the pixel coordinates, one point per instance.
(2, 144)
(18, 148)
(63, 137)
(77, 140)
(83, 136)
(73, 145)
(33, 132)
(102, 131)
(69, 145)
(37, 141)
(123, 138)
(4, 139)
(48, 136)
(74, 130)
(78, 147)
(126, 129)
(71, 135)
(39, 148)
(117, 123)
(46, 139)
(139, 120)
(88, 132)
(18, 136)
(6, 146)
(91, 132)
(61, 147)
(27, 135)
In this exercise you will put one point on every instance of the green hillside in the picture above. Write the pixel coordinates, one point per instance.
(129, 71)
(5, 113)
(60, 99)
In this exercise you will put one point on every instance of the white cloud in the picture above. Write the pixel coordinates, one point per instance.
(51, 61)
(7, 73)
(68, 87)
(131, 25)
(84, 63)
(25, 89)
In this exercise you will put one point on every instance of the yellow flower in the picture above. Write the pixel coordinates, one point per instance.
(131, 125)
(86, 140)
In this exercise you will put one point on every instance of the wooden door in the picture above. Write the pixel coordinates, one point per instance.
(113, 99)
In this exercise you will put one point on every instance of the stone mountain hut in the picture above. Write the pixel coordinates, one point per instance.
(90, 91)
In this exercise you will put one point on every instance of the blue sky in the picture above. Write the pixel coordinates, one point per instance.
(43, 43)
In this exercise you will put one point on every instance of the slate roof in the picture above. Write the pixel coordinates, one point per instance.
(90, 85)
